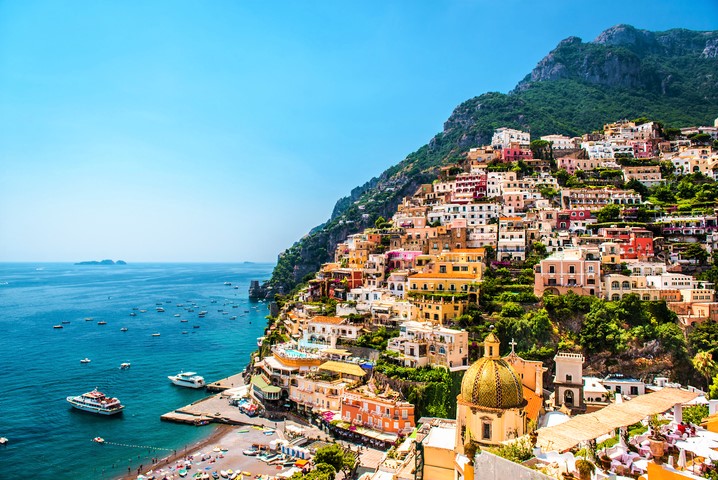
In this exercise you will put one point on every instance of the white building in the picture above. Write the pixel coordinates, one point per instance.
(560, 142)
(503, 137)
(623, 385)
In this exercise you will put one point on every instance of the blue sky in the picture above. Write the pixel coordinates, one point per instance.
(225, 130)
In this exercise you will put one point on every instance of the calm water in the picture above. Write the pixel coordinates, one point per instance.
(40, 366)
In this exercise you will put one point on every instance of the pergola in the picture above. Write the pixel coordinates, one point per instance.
(592, 425)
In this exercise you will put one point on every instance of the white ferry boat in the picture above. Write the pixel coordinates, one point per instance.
(187, 379)
(96, 402)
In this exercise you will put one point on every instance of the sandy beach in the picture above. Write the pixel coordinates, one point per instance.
(222, 450)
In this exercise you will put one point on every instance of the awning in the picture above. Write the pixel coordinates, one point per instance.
(592, 425)
(341, 367)
(262, 384)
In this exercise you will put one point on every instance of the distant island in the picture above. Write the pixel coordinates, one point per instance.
(102, 262)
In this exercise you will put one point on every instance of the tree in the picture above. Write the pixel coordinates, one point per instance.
(601, 329)
(695, 251)
(704, 364)
(541, 149)
(704, 337)
(322, 471)
(339, 459)
(609, 213)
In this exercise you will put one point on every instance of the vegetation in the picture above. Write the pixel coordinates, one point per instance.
(570, 105)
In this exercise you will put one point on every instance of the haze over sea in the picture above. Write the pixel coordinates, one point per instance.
(41, 365)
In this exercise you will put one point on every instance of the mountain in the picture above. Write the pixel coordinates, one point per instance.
(670, 76)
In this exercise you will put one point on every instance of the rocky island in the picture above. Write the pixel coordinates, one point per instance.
(102, 262)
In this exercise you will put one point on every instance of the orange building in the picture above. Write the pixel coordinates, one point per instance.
(383, 411)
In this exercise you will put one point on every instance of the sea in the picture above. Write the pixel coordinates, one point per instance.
(40, 365)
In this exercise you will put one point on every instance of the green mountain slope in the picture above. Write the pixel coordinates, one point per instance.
(667, 76)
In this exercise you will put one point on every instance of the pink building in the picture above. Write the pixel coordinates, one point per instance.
(514, 153)
(566, 219)
(401, 259)
(572, 270)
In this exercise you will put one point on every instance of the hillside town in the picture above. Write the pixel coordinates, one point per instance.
(543, 309)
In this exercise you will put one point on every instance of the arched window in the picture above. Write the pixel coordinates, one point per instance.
(626, 285)
(615, 297)
(568, 398)
(442, 350)
(615, 285)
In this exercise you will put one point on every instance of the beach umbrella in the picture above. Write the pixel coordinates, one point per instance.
(682, 458)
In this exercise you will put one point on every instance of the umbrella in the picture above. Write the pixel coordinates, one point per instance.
(682, 458)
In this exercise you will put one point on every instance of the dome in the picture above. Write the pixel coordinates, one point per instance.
(493, 383)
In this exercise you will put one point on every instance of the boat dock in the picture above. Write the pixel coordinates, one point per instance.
(236, 380)
(214, 409)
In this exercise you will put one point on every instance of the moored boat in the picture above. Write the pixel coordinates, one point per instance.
(123, 329)
(155, 334)
(187, 379)
(85, 360)
(125, 366)
(57, 326)
(96, 402)
(102, 323)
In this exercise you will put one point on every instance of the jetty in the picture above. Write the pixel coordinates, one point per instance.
(214, 409)
(233, 381)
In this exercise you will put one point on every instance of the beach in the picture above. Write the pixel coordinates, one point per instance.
(222, 450)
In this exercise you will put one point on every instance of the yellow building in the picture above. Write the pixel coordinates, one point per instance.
(491, 405)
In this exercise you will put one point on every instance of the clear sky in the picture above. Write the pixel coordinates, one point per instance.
(224, 130)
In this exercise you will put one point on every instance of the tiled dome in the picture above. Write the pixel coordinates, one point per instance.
(492, 382)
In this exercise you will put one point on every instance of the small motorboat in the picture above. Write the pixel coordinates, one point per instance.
(88, 319)
(85, 360)
(143, 311)
(223, 473)
(123, 329)
(160, 309)
(102, 323)
(155, 334)
(195, 326)
(65, 322)
(183, 321)
(3, 440)
(177, 314)
(125, 366)
(185, 333)
(233, 317)
(99, 440)
(57, 326)
(133, 314)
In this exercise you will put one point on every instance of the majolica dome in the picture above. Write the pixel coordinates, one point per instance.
(491, 382)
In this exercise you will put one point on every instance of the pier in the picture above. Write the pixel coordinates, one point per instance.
(236, 380)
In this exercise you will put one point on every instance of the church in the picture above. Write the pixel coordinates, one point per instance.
(499, 397)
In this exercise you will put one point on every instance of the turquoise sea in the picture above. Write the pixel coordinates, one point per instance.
(40, 365)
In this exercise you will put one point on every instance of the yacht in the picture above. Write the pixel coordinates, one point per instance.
(155, 334)
(187, 379)
(125, 366)
(57, 326)
(160, 309)
(123, 329)
(102, 323)
(85, 360)
(96, 402)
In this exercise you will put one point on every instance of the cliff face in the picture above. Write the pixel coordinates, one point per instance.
(626, 57)
(667, 76)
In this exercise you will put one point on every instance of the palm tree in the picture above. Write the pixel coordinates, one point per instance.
(704, 364)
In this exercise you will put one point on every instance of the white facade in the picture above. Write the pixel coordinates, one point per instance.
(560, 142)
(503, 137)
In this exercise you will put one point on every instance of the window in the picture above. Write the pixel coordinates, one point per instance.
(551, 269)
(618, 389)
(569, 377)
(486, 431)
(568, 398)
(571, 269)
(634, 390)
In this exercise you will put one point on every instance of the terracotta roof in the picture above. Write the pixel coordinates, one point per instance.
(323, 319)
(533, 404)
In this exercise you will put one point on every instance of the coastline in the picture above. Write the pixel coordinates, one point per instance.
(220, 431)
